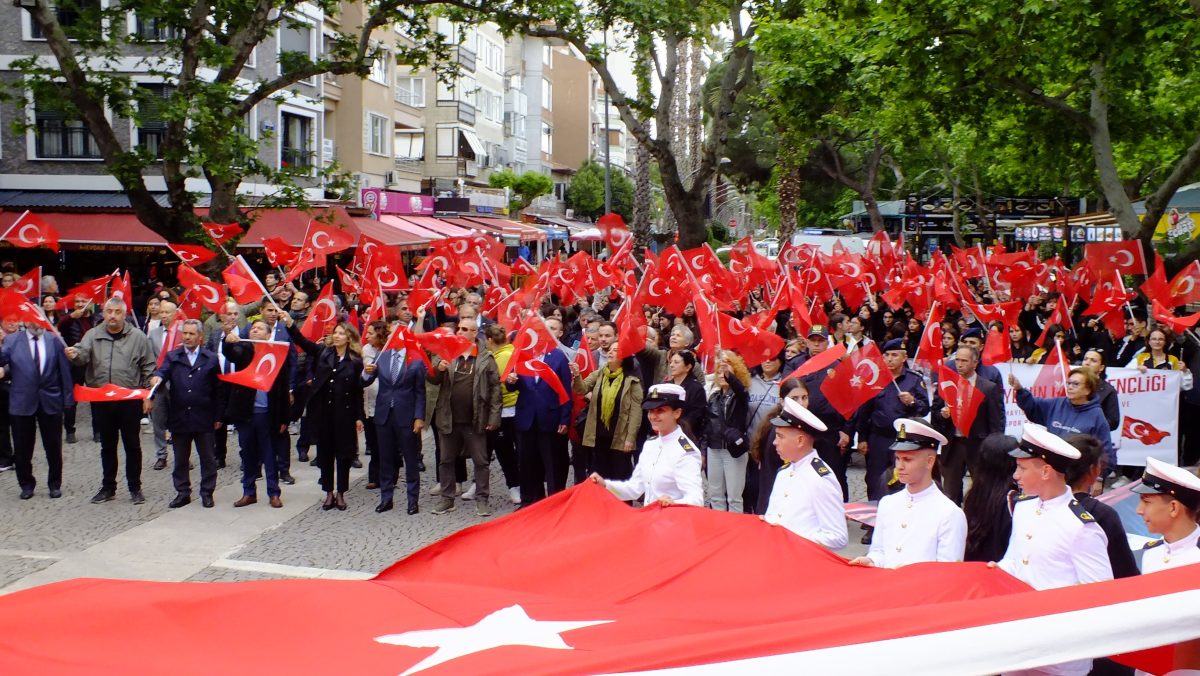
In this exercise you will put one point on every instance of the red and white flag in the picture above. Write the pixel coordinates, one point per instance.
(536, 368)
(961, 398)
(30, 231)
(1125, 257)
(652, 577)
(859, 377)
(15, 306)
(263, 369)
(122, 288)
(445, 343)
(29, 284)
(109, 392)
(325, 239)
(221, 232)
(208, 293)
(533, 340)
(322, 316)
(584, 359)
(192, 254)
(279, 253)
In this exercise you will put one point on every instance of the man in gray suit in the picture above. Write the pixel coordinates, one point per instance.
(158, 415)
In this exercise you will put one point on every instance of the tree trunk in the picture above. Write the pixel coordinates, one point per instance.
(695, 121)
(872, 205)
(789, 194)
(956, 217)
(1106, 164)
(642, 197)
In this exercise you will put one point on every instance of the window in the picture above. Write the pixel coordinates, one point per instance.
(375, 133)
(547, 138)
(492, 105)
(410, 144)
(152, 125)
(447, 142)
(492, 54)
(445, 91)
(411, 91)
(379, 67)
(547, 56)
(296, 144)
(547, 95)
(295, 45)
(58, 135)
(467, 90)
(77, 17)
(154, 29)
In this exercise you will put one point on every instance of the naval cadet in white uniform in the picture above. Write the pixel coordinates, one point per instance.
(919, 523)
(668, 471)
(806, 498)
(1169, 504)
(1055, 542)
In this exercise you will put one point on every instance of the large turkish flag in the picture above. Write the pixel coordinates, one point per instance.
(581, 583)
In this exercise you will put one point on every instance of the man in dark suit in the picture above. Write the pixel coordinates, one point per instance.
(227, 323)
(541, 423)
(193, 407)
(41, 391)
(399, 418)
(963, 450)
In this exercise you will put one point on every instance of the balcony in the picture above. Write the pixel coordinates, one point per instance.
(416, 99)
(296, 158)
(466, 58)
(466, 113)
(412, 165)
(467, 168)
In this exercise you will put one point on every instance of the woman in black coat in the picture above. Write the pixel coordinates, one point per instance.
(335, 395)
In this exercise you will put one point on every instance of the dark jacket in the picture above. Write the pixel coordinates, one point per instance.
(1110, 403)
(239, 399)
(819, 405)
(694, 406)
(989, 419)
(196, 400)
(537, 403)
(486, 389)
(876, 416)
(725, 419)
(335, 388)
(52, 389)
(403, 397)
(1119, 554)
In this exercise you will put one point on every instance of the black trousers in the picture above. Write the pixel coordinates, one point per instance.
(502, 443)
(182, 442)
(828, 451)
(221, 444)
(544, 464)
(24, 430)
(956, 458)
(332, 456)
(6, 445)
(880, 461)
(121, 419)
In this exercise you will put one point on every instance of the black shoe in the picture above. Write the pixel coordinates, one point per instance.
(26, 493)
(422, 466)
(866, 538)
(220, 464)
(357, 464)
(313, 463)
(341, 502)
(328, 504)
(287, 478)
(384, 507)
(302, 455)
(71, 438)
(96, 437)
(137, 498)
(104, 495)
(55, 493)
(412, 509)
(206, 501)
(161, 463)
(179, 501)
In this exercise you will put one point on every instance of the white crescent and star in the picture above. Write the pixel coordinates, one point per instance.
(269, 360)
(872, 367)
(36, 231)
(1126, 255)
(318, 235)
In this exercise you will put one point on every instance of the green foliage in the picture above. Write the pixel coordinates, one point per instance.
(586, 193)
(526, 187)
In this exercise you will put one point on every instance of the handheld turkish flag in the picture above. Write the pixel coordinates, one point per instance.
(322, 317)
(997, 349)
(444, 343)
(29, 284)
(612, 229)
(819, 362)
(209, 293)
(348, 281)
(30, 231)
(385, 269)
(1060, 315)
(92, 290)
(15, 306)
(367, 246)
(221, 233)
(539, 369)
(859, 377)
(122, 288)
(109, 392)
(753, 344)
(1185, 285)
(929, 352)
(243, 283)
(533, 340)
(522, 267)
(1051, 380)
(1155, 285)
(192, 254)
(631, 331)
(961, 397)
(1124, 257)
(584, 359)
(307, 259)
(172, 339)
(263, 369)
(1005, 313)
(1177, 324)
(402, 338)
(279, 253)
(326, 239)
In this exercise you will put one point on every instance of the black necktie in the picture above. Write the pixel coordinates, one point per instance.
(37, 359)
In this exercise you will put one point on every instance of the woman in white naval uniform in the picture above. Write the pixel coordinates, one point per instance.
(919, 523)
(1169, 504)
(806, 498)
(668, 471)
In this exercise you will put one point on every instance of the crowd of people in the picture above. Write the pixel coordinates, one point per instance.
(670, 422)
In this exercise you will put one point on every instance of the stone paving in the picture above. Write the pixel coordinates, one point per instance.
(253, 543)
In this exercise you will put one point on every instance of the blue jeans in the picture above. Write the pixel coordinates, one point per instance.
(258, 448)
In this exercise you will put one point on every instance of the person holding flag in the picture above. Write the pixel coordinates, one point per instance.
(876, 435)
(42, 389)
(1077, 413)
(963, 448)
(117, 353)
(261, 416)
(542, 417)
(614, 415)
(399, 417)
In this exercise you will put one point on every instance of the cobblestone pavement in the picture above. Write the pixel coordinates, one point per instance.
(312, 543)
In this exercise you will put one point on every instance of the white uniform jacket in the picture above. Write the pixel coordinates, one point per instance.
(807, 500)
(669, 466)
(918, 527)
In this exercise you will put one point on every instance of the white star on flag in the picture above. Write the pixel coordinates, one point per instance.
(507, 626)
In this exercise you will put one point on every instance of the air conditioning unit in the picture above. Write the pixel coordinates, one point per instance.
(389, 177)
(361, 180)
(570, 214)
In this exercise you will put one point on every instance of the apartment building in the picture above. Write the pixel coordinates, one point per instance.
(57, 153)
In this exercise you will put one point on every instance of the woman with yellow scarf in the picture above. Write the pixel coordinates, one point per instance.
(614, 415)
